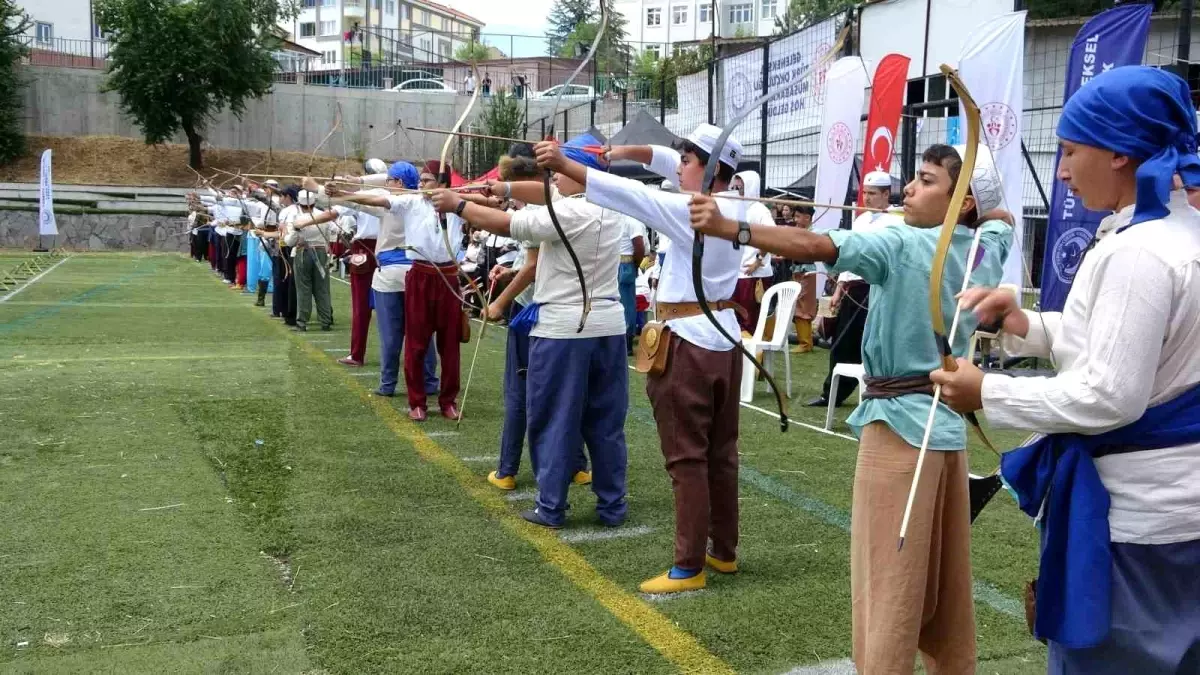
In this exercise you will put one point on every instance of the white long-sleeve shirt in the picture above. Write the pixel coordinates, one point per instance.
(595, 234)
(422, 231)
(757, 214)
(667, 213)
(1127, 338)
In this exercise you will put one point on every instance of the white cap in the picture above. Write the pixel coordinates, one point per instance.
(985, 181)
(667, 186)
(374, 165)
(705, 137)
(272, 183)
(878, 179)
(306, 198)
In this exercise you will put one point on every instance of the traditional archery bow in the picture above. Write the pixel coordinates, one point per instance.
(944, 342)
(562, 236)
(710, 174)
(471, 373)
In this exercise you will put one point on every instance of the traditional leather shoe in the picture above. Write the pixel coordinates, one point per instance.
(582, 478)
(720, 565)
(347, 361)
(502, 482)
(417, 414)
(450, 412)
(535, 517)
(663, 583)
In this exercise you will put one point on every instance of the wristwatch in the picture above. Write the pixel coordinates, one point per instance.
(458, 210)
(743, 233)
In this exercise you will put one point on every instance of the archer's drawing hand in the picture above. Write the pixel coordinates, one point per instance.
(707, 219)
(549, 155)
(445, 201)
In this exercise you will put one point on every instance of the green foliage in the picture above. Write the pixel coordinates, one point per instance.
(656, 77)
(503, 116)
(801, 13)
(1057, 9)
(471, 52)
(573, 26)
(177, 63)
(564, 17)
(14, 22)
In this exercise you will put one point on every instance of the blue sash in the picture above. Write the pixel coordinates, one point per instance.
(396, 256)
(524, 322)
(1074, 607)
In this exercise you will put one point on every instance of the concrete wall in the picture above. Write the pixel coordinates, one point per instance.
(69, 102)
(97, 232)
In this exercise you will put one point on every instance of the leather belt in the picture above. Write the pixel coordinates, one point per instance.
(894, 387)
(668, 311)
(626, 258)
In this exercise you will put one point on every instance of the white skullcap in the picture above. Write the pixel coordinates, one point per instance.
(985, 181)
(705, 137)
(878, 179)
(375, 166)
(306, 198)
(667, 186)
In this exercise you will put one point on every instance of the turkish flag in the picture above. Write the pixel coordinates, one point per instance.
(883, 118)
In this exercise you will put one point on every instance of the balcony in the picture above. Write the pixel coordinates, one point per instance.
(354, 7)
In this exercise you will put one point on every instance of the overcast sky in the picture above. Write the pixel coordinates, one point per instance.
(502, 18)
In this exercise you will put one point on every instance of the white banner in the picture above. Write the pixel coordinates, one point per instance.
(992, 68)
(693, 102)
(788, 65)
(841, 125)
(46, 224)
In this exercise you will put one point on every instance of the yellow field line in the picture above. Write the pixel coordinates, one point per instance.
(674, 643)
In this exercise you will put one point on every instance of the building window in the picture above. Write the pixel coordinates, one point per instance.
(308, 4)
(655, 50)
(308, 30)
(44, 31)
(741, 13)
(423, 17)
(769, 7)
(444, 49)
(329, 27)
(654, 16)
(679, 15)
(329, 58)
(329, 3)
(705, 13)
(377, 5)
(389, 7)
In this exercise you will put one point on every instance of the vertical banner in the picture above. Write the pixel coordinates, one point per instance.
(992, 67)
(846, 91)
(883, 117)
(1113, 38)
(46, 223)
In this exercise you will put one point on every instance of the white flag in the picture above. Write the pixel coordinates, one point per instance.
(841, 127)
(992, 68)
(46, 224)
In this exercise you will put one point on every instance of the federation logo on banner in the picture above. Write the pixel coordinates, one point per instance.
(819, 78)
(1068, 252)
(740, 91)
(999, 123)
(840, 143)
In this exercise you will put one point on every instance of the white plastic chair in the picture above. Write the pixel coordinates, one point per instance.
(855, 370)
(784, 295)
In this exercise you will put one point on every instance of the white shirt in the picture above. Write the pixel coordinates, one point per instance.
(667, 214)
(422, 231)
(869, 222)
(312, 236)
(498, 241)
(595, 234)
(1126, 339)
(757, 214)
(633, 230)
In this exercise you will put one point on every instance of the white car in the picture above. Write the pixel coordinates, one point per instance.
(424, 85)
(574, 92)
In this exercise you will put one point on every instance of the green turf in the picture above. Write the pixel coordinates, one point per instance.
(310, 537)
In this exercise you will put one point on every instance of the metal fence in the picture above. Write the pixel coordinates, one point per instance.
(63, 53)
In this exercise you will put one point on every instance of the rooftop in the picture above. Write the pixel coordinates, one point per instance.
(448, 10)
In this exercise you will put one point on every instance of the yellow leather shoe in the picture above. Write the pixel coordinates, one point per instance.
(505, 483)
(582, 478)
(663, 583)
(720, 565)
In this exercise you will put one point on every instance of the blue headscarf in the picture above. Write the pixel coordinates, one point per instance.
(405, 173)
(1143, 113)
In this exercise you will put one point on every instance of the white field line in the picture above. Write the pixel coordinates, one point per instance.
(31, 281)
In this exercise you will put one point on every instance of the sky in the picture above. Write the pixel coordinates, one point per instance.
(498, 16)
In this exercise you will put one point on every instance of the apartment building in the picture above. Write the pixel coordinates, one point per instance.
(663, 26)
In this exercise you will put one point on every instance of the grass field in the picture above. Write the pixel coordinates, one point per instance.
(188, 487)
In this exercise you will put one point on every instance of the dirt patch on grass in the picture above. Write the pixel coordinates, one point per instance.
(113, 160)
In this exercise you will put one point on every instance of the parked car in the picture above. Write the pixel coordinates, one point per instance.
(574, 92)
(426, 85)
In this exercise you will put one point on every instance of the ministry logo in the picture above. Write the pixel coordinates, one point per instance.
(1068, 252)
(840, 143)
(999, 125)
(740, 91)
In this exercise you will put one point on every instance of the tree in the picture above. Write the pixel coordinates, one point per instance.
(565, 17)
(503, 116)
(656, 77)
(471, 52)
(1057, 9)
(177, 63)
(801, 13)
(14, 23)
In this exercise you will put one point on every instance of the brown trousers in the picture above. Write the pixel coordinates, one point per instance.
(696, 408)
(918, 598)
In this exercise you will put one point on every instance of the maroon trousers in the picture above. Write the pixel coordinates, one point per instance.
(430, 307)
(360, 298)
(696, 405)
(743, 295)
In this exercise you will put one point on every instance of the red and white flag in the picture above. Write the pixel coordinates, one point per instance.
(883, 118)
